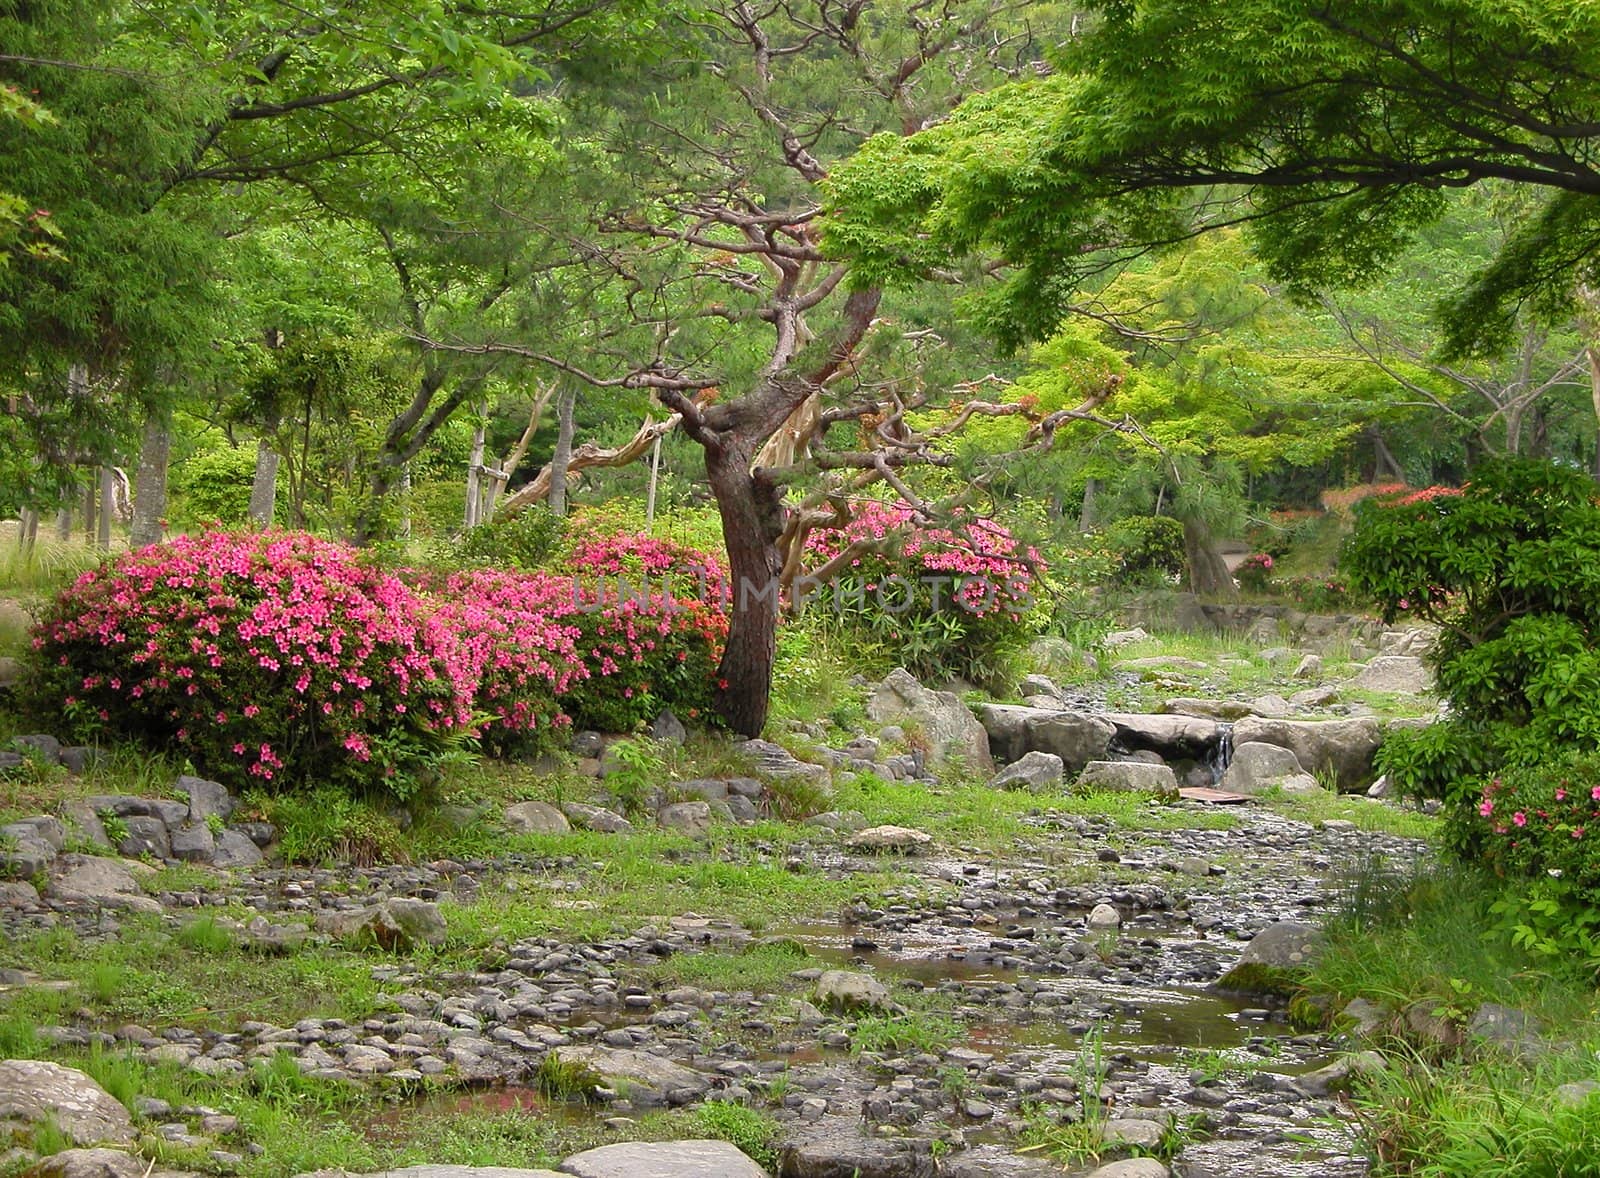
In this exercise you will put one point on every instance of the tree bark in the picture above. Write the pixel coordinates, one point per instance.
(150, 493)
(752, 521)
(1208, 572)
(470, 517)
(1086, 513)
(565, 407)
(655, 481)
(108, 508)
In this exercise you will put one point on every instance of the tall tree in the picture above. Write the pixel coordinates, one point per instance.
(722, 269)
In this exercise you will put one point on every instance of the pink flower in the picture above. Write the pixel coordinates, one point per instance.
(1486, 807)
(1519, 819)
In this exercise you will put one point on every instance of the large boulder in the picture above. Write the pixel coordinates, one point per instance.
(1033, 771)
(1342, 747)
(878, 839)
(773, 760)
(1258, 767)
(663, 1159)
(206, 798)
(90, 1163)
(96, 880)
(947, 724)
(1274, 960)
(1394, 674)
(839, 1147)
(1174, 737)
(536, 818)
(1076, 737)
(1130, 776)
(846, 990)
(691, 818)
(33, 1092)
(647, 1078)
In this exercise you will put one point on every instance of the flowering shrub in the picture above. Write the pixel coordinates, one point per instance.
(1254, 572)
(652, 620)
(270, 659)
(940, 601)
(1319, 594)
(515, 649)
(1542, 821)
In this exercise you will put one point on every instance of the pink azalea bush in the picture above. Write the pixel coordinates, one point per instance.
(515, 650)
(1540, 823)
(940, 601)
(270, 659)
(1255, 572)
(652, 616)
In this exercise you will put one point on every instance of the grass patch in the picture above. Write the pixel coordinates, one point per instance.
(916, 1031)
(1373, 816)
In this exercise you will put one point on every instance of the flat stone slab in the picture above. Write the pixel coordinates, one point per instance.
(33, 1091)
(663, 1159)
(439, 1172)
(637, 1069)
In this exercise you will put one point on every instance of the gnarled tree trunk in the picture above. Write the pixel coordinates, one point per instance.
(150, 491)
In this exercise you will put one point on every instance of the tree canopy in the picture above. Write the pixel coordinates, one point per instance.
(1331, 130)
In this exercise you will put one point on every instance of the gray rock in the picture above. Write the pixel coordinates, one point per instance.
(1271, 707)
(193, 842)
(536, 818)
(639, 1073)
(668, 729)
(1135, 1132)
(206, 798)
(235, 849)
(1309, 667)
(1415, 641)
(691, 818)
(1365, 1018)
(91, 878)
(1103, 916)
(44, 829)
(1273, 958)
(663, 1159)
(33, 1091)
(1208, 709)
(147, 835)
(89, 1163)
(596, 818)
(1172, 736)
(1345, 747)
(45, 746)
(1038, 685)
(837, 1147)
(877, 839)
(78, 759)
(22, 857)
(1394, 675)
(1120, 638)
(1132, 1168)
(16, 893)
(1133, 776)
(441, 1172)
(1576, 1093)
(774, 760)
(947, 724)
(846, 990)
(84, 824)
(397, 923)
(1033, 771)
(10, 674)
(1506, 1027)
(1337, 1076)
(1257, 767)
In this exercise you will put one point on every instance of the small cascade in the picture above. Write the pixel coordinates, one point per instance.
(1218, 759)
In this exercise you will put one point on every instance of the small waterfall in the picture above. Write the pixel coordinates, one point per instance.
(1219, 757)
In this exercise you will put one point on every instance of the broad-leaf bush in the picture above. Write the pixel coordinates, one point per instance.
(270, 659)
(1509, 567)
(943, 602)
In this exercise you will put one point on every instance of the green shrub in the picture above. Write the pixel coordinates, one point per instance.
(213, 487)
(1147, 547)
(525, 540)
(1509, 567)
